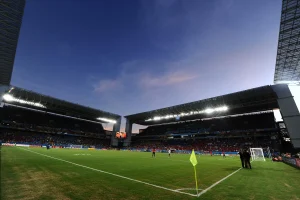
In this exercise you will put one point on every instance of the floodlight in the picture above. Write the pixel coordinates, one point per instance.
(209, 110)
(107, 120)
(8, 97)
(157, 118)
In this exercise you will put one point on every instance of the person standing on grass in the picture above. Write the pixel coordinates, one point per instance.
(153, 152)
(169, 151)
(224, 155)
(247, 158)
(242, 157)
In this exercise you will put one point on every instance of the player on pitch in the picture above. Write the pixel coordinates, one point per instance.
(153, 152)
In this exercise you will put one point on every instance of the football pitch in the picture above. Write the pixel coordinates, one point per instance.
(37, 173)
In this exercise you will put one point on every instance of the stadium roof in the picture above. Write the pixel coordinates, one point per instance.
(288, 54)
(253, 100)
(25, 98)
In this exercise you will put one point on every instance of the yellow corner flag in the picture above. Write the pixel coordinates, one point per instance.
(193, 158)
(194, 162)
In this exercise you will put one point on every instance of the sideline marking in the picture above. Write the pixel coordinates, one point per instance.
(105, 172)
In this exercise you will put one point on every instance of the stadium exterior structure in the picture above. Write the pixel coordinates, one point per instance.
(11, 13)
(24, 99)
(265, 98)
(287, 68)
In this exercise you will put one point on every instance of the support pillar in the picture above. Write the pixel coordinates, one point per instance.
(289, 112)
(116, 128)
(128, 130)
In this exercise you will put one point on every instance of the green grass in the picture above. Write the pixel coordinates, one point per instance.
(27, 175)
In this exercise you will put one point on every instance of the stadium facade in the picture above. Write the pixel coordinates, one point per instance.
(275, 99)
(31, 112)
(11, 14)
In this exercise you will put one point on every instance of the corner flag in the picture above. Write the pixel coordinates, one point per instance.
(194, 162)
(193, 159)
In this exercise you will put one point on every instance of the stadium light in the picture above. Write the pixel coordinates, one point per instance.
(207, 111)
(107, 120)
(10, 98)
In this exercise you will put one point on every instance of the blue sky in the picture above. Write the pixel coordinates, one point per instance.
(132, 56)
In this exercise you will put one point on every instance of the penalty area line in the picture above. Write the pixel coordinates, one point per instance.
(112, 174)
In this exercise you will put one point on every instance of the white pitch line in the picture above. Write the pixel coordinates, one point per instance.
(188, 189)
(216, 183)
(124, 177)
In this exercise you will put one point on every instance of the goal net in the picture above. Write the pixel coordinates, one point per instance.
(257, 154)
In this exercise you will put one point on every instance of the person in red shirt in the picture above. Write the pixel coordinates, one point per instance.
(153, 152)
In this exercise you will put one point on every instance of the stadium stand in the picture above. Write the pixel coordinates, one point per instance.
(35, 119)
(215, 135)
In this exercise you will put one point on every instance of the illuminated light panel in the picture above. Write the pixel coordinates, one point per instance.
(277, 115)
(10, 98)
(107, 120)
(208, 111)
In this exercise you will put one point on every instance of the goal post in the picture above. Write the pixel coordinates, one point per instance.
(257, 154)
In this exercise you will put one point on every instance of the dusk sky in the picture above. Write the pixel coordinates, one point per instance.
(130, 56)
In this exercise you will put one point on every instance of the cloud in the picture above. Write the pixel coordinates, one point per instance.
(170, 79)
(145, 79)
(107, 85)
